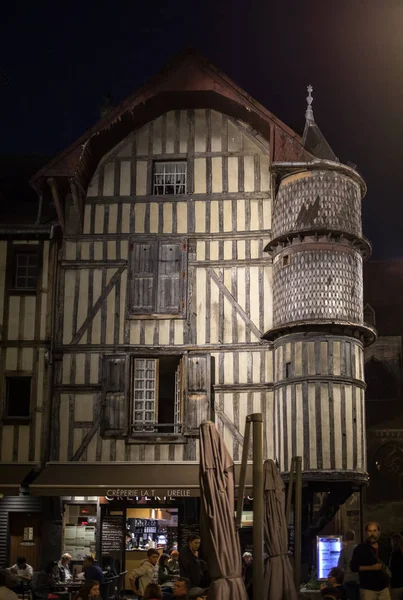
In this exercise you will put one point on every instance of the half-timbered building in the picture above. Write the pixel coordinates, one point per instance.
(28, 263)
(210, 266)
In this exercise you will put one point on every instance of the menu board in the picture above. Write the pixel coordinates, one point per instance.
(112, 535)
(329, 548)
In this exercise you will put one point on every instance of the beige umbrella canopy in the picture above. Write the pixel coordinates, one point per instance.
(278, 576)
(217, 523)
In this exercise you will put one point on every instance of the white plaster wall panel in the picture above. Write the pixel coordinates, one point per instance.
(200, 130)
(167, 217)
(111, 250)
(14, 317)
(141, 178)
(217, 175)
(113, 218)
(181, 209)
(27, 359)
(84, 407)
(200, 181)
(170, 132)
(7, 443)
(232, 174)
(139, 217)
(23, 443)
(109, 179)
(157, 135)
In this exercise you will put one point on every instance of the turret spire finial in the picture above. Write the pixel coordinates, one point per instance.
(309, 111)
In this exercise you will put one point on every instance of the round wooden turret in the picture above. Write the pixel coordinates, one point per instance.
(318, 330)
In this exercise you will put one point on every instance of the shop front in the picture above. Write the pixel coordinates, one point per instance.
(118, 511)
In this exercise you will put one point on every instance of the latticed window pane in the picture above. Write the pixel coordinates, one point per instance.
(169, 178)
(26, 271)
(145, 385)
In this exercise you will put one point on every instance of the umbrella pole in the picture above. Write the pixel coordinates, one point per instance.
(242, 476)
(297, 521)
(258, 505)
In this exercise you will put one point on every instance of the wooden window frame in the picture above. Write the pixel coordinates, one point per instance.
(163, 184)
(13, 252)
(10, 419)
(154, 313)
(177, 434)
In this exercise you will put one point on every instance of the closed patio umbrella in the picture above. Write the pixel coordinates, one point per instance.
(278, 576)
(217, 519)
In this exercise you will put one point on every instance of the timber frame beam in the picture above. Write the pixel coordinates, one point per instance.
(248, 322)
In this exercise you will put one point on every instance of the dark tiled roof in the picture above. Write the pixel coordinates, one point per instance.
(189, 81)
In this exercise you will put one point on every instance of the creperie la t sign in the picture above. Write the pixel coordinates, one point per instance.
(147, 494)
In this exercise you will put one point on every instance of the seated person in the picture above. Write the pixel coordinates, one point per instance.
(5, 593)
(334, 586)
(197, 594)
(165, 574)
(65, 573)
(89, 590)
(46, 584)
(92, 571)
(23, 572)
(181, 588)
(173, 562)
(152, 592)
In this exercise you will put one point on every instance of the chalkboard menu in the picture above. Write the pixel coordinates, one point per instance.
(112, 535)
(185, 531)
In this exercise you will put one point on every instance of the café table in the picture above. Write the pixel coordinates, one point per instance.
(71, 587)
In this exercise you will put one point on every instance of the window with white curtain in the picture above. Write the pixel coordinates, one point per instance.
(169, 178)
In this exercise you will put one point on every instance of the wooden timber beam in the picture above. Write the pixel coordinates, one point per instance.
(213, 275)
(90, 317)
(227, 421)
(78, 204)
(57, 200)
(87, 438)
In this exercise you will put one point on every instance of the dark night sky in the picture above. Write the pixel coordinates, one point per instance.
(58, 59)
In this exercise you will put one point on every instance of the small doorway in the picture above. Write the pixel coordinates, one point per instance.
(25, 538)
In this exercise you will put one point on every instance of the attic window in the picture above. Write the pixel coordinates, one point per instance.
(286, 260)
(26, 270)
(169, 178)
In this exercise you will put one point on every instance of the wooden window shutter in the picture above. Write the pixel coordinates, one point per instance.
(198, 392)
(172, 277)
(114, 396)
(142, 275)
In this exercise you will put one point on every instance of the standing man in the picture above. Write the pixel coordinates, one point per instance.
(369, 561)
(189, 562)
(64, 569)
(351, 580)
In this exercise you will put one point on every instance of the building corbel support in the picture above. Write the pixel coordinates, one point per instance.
(57, 200)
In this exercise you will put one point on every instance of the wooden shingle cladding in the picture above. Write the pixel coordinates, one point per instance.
(25, 327)
(217, 230)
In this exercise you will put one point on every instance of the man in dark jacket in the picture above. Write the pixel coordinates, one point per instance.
(189, 563)
(92, 571)
(369, 561)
